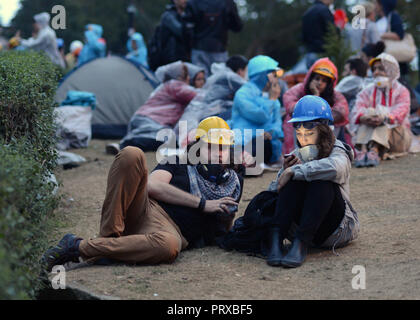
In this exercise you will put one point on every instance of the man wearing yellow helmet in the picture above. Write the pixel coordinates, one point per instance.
(150, 219)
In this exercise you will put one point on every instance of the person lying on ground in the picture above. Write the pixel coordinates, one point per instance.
(162, 110)
(320, 80)
(380, 119)
(150, 219)
(256, 106)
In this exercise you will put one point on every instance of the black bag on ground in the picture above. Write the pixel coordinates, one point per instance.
(248, 233)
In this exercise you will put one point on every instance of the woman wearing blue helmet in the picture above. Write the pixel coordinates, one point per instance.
(313, 189)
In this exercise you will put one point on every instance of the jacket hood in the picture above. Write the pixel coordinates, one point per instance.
(96, 29)
(346, 148)
(138, 38)
(261, 64)
(170, 71)
(42, 19)
(322, 61)
(392, 68)
(193, 70)
(388, 5)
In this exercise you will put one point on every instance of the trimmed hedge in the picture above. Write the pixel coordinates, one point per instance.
(28, 81)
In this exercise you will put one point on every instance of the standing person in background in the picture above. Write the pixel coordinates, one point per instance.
(369, 35)
(95, 46)
(71, 58)
(314, 28)
(44, 39)
(208, 22)
(173, 40)
(394, 29)
(137, 50)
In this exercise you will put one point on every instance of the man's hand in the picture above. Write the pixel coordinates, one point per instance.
(284, 178)
(290, 161)
(372, 121)
(220, 205)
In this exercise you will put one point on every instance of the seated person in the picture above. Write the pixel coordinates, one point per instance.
(150, 219)
(162, 110)
(137, 50)
(320, 80)
(308, 203)
(353, 80)
(380, 117)
(256, 107)
(197, 75)
(216, 97)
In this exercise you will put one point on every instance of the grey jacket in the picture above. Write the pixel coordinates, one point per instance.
(336, 168)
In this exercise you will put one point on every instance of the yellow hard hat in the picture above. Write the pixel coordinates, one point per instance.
(373, 60)
(13, 42)
(215, 130)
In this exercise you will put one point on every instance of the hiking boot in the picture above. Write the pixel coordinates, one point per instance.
(275, 250)
(360, 160)
(372, 159)
(296, 255)
(66, 250)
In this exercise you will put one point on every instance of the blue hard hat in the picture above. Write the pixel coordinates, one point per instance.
(311, 108)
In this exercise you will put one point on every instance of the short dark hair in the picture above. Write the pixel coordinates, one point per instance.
(374, 49)
(237, 62)
(359, 66)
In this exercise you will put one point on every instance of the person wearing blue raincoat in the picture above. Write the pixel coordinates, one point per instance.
(256, 106)
(137, 50)
(95, 46)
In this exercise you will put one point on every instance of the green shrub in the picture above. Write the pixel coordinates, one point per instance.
(27, 151)
(28, 81)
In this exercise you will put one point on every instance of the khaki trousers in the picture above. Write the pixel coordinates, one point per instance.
(396, 140)
(134, 228)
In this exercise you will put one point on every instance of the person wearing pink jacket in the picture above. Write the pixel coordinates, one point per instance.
(379, 120)
(320, 80)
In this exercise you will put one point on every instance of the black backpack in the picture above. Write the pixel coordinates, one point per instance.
(248, 233)
(155, 49)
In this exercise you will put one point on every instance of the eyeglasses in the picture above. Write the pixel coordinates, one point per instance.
(309, 124)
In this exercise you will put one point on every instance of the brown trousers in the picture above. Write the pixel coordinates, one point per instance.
(134, 228)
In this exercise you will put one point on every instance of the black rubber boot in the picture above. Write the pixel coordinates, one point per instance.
(275, 247)
(296, 255)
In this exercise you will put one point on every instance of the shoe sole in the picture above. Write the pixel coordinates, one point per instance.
(290, 264)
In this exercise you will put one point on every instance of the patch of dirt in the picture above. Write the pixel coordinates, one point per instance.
(388, 202)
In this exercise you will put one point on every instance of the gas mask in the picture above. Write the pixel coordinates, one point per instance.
(308, 153)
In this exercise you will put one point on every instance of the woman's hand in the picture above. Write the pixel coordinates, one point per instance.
(220, 205)
(284, 178)
(313, 88)
(290, 161)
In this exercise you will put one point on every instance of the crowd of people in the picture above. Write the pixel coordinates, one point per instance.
(311, 134)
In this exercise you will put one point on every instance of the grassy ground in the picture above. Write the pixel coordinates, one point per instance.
(388, 202)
